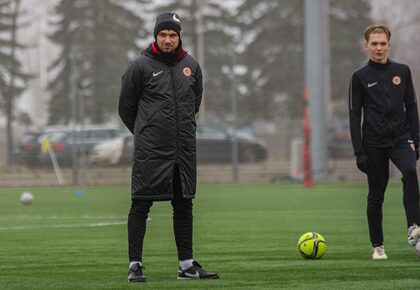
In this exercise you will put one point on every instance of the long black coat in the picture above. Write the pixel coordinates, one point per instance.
(158, 103)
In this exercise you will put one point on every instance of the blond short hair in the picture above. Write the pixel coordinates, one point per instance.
(377, 28)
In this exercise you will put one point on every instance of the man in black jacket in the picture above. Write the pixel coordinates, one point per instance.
(384, 125)
(160, 95)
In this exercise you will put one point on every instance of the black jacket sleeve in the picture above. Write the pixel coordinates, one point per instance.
(411, 110)
(198, 90)
(131, 88)
(355, 114)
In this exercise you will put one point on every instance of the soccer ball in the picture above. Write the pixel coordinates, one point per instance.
(311, 245)
(26, 197)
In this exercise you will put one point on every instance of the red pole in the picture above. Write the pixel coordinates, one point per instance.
(307, 166)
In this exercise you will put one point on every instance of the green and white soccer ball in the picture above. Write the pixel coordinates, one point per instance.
(311, 245)
(26, 197)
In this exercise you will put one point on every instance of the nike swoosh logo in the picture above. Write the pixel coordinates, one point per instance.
(372, 84)
(158, 73)
(195, 275)
(176, 18)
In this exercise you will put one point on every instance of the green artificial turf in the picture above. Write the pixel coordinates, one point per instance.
(246, 233)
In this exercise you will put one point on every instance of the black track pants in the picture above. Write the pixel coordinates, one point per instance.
(182, 223)
(404, 159)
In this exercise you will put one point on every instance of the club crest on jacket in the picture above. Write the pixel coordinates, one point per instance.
(186, 71)
(396, 80)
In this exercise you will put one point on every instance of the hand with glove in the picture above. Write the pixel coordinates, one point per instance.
(362, 162)
(416, 150)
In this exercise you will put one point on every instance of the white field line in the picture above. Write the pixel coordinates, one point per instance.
(115, 220)
(35, 227)
(75, 217)
(58, 217)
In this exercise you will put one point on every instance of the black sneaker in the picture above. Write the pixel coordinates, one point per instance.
(195, 272)
(135, 274)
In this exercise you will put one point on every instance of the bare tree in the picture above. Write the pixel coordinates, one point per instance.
(403, 18)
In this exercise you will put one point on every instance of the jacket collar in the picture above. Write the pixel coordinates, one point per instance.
(168, 58)
(378, 65)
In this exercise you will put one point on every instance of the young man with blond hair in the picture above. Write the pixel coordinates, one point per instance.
(384, 125)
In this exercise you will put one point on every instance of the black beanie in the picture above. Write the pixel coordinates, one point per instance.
(168, 21)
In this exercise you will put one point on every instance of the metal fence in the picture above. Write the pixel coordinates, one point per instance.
(266, 122)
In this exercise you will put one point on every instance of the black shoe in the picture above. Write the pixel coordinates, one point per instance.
(196, 272)
(135, 274)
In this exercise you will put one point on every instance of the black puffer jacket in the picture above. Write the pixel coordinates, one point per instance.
(158, 103)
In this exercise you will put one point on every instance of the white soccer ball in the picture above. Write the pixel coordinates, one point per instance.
(26, 197)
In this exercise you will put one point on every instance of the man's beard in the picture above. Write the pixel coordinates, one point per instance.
(172, 56)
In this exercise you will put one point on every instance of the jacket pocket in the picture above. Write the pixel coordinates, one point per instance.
(188, 108)
(142, 124)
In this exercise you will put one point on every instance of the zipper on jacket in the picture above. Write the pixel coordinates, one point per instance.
(386, 88)
(176, 114)
(389, 104)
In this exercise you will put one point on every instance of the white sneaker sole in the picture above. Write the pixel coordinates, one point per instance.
(380, 258)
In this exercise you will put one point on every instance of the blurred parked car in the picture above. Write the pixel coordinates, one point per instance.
(339, 142)
(118, 150)
(27, 149)
(214, 145)
(63, 141)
